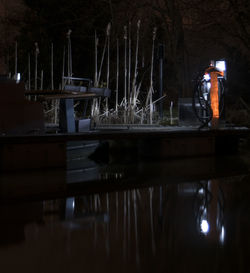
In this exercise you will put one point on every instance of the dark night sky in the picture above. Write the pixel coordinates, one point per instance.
(193, 32)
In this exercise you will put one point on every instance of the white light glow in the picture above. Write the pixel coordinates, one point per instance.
(221, 65)
(201, 191)
(18, 77)
(222, 234)
(204, 226)
(207, 77)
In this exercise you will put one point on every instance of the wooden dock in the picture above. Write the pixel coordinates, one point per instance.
(132, 132)
(49, 150)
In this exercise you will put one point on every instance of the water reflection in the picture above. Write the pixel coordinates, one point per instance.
(209, 209)
(165, 228)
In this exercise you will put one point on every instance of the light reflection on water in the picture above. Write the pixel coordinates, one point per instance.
(178, 227)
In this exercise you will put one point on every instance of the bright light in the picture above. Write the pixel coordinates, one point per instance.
(204, 226)
(207, 77)
(222, 234)
(18, 77)
(201, 191)
(221, 65)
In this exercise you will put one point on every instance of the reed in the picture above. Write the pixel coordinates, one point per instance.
(52, 66)
(103, 55)
(149, 100)
(117, 76)
(41, 80)
(15, 77)
(29, 80)
(96, 61)
(63, 69)
(108, 65)
(70, 73)
(135, 92)
(125, 65)
(131, 106)
(36, 63)
(129, 58)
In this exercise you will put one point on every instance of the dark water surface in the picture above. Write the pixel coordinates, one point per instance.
(189, 215)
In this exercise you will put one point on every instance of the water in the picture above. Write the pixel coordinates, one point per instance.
(188, 215)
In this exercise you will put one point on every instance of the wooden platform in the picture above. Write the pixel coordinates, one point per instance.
(49, 150)
(129, 133)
